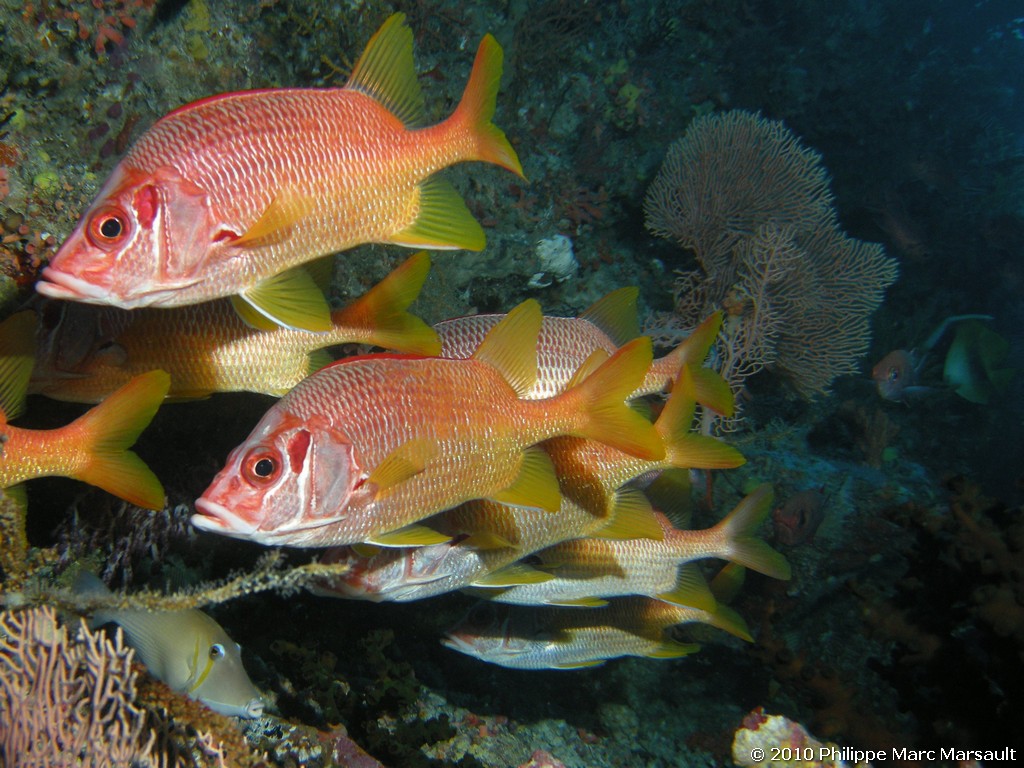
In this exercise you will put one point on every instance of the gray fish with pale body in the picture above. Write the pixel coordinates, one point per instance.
(564, 638)
(187, 650)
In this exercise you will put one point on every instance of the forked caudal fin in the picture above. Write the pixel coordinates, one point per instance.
(111, 428)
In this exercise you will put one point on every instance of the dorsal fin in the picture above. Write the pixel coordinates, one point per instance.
(17, 356)
(616, 314)
(511, 346)
(386, 72)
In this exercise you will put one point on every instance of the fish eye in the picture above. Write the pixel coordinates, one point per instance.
(217, 651)
(107, 227)
(894, 374)
(111, 227)
(260, 467)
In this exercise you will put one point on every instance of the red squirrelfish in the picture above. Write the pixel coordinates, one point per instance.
(371, 444)
(565, 343)
(223, 197)
(94, 447)
(585, 570)
(485, 539)
(563, 638)
(85, 352)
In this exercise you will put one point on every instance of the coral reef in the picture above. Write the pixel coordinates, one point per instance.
(753, 205)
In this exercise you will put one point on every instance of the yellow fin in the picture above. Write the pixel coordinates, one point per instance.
(695, 348)
(578, 664)
(512, 575)
(604, 394)
(366, 550)
(17, 356)
(277, 221)
(316, 360)
(691, 590)
(671, 493)
(683, 448)
(631, 517)
(511, 346)
(290, 299)
(113, 426)
(671, 649)
(18, 494)
(727, 582)
(536, 485)
(616, 315)
(443, 221)
(407, 460)
(580, 602)
(476, 109)
(486, 540)
(410, 536)
(594, 360)
(386, 71)
(742, 546)
(727, 619)
(381, 314)
(710, 389)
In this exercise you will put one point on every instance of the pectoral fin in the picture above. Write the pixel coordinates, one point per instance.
(290, 299)
(406, 461)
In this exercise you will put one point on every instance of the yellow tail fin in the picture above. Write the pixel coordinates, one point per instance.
(380, 315)
(604, 393)
(476, 110)
(738, 529)
(111, 428)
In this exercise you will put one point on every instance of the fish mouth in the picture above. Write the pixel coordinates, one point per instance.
(211, 516)
(55, 284)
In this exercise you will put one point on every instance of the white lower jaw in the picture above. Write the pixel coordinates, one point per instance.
(219, 519)
(60, 285)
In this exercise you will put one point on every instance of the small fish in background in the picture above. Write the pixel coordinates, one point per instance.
(187, 650)
(975, 364)
(372, 444)
(230, 195)
(897, 376)
(796, 521)
(85, 352)
(565, 343)
(94, 447)
(572, 638)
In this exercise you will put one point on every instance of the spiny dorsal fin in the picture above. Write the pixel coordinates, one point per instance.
(386, 72)
(511, 346)
(616, 315)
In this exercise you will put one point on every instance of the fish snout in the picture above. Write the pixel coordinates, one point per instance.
(211, 516)
(56, 284)
(254, 708)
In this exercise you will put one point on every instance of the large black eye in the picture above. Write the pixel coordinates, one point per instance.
(894, 374)
(111, 227)
(263, 468)
(217, 651)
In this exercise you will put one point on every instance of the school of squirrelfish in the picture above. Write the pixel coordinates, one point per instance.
(507, 455)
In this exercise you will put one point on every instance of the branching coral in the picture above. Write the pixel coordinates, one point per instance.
(67, 699)
(753, 205)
